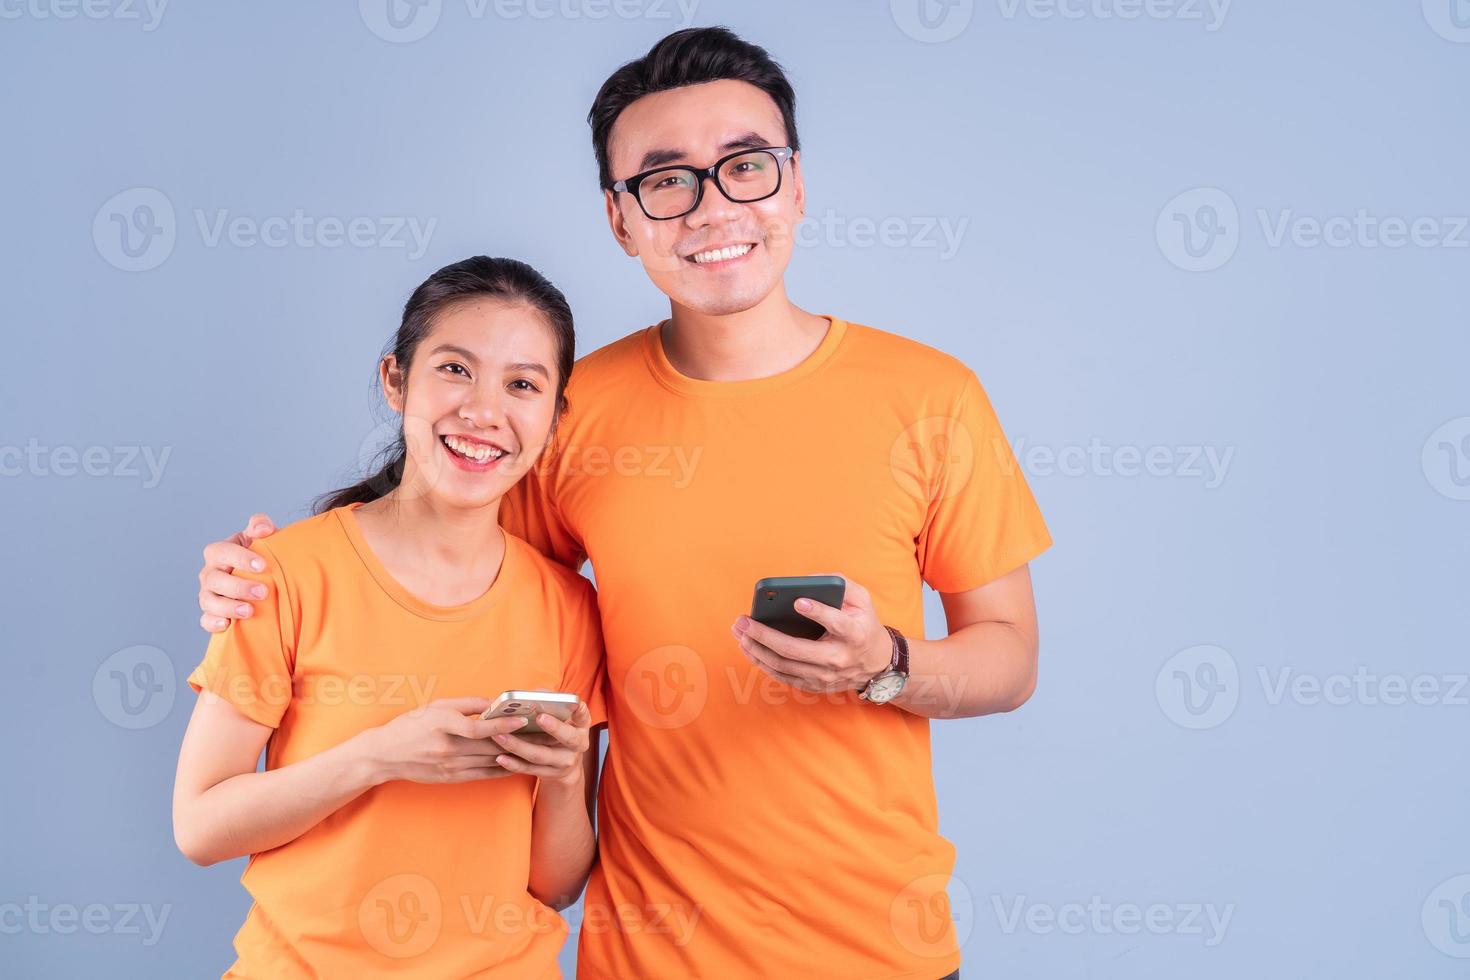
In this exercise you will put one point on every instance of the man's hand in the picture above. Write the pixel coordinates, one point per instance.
(224, 596)
(855, 650)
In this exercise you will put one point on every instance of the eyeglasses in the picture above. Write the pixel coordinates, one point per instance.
(672, 192)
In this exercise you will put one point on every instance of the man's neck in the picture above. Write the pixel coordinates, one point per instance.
(773, 336)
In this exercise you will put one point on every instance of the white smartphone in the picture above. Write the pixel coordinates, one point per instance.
(529, 704)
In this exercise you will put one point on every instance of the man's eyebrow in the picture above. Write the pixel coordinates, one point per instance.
(659, 157)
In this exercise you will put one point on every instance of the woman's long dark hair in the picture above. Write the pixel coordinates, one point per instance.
(506, 279)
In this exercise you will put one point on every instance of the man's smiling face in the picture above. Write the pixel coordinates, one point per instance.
(723, 257)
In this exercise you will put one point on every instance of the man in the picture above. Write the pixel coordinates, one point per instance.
(767, 807)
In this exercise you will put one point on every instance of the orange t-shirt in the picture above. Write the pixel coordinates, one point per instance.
(747, 829)
(409, 879)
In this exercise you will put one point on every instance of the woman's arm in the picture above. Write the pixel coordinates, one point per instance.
(562, 842)
(224, 809)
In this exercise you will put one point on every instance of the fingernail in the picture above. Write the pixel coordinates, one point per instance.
(258, 592)
(221, 622)
(803, 604)
(257, 564)
(520, 723)
(501, 760)
(242, 610)
(742, 623)
(500, 739)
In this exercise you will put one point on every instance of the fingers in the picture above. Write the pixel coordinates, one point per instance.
(773, 662)
(478, 772)
(229, 555)
(556, 755)
(259, 526)
(463, 706)
(790, 647)
(217, 581)
(213, 624)
(488, 728)
(834, 620)
(573, 731)
(521, 767)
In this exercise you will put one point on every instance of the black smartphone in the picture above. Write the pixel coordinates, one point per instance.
(775, 602)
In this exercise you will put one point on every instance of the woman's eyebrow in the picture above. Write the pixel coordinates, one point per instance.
(455, 349)
(530, 366)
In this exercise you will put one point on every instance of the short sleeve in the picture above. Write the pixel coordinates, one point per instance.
(529, 512)
(584, 671)
(982, 520)
(251, 662)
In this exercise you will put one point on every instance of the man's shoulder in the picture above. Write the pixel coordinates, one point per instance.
(898, 355)
(567, 587)
(611, 363)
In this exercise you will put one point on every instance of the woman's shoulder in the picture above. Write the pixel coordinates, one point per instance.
(312, 540)
(556, 581)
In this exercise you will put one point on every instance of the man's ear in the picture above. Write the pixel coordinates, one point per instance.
(618, 225)
(390, 375)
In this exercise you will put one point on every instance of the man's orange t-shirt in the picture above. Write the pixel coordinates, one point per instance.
(409, 879)
(747, 829)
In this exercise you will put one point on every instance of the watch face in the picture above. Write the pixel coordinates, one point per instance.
(886, 687)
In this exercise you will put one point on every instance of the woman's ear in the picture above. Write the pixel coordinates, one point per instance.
(390, 375)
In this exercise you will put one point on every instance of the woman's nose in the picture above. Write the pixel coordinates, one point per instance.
(482, 408)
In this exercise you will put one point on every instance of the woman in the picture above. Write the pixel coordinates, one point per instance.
(393, 831)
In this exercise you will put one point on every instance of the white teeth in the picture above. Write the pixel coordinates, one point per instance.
(722, 254)
(472, 450)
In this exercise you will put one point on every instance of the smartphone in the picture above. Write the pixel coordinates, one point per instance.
(775, 602)
(529, 704)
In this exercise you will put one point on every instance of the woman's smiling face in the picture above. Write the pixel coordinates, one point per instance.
(479, 401)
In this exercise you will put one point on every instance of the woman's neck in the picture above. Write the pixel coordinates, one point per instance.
(444, 555)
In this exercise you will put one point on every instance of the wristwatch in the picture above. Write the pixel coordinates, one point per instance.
(889, 684)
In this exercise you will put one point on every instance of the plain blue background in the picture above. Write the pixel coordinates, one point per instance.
(1330, 826)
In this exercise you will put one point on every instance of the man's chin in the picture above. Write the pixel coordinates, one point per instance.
(722, 304)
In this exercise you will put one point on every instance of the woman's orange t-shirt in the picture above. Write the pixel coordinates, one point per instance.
(409, 878)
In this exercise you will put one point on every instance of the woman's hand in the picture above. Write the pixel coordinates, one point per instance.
(555, 756)
(444, 741)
